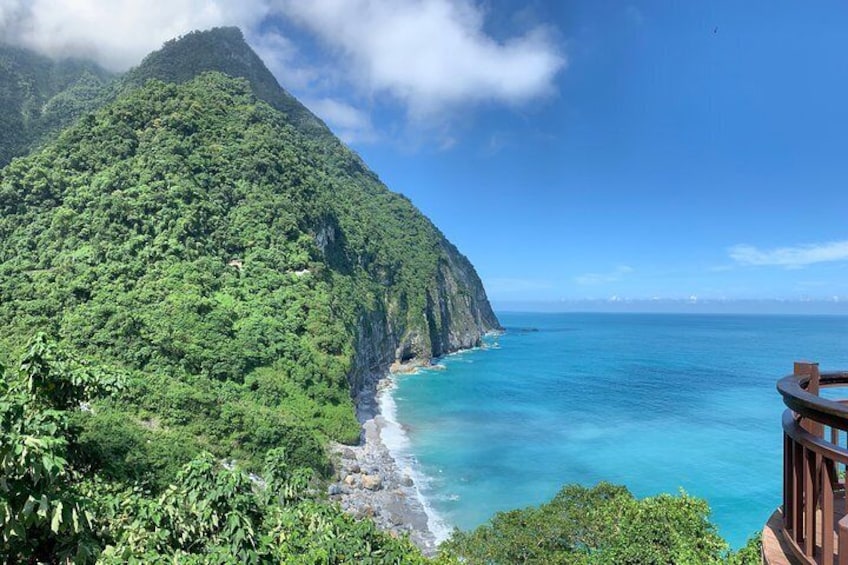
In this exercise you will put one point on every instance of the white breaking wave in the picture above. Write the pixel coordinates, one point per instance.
(396, 440)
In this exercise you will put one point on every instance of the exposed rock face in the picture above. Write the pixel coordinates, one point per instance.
(458, 312)
(456, 317)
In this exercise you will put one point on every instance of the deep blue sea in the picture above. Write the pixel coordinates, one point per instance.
(655, 402)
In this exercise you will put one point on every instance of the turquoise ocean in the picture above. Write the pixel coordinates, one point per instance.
(658, 403)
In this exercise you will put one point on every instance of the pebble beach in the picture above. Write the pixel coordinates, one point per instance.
(370, 482)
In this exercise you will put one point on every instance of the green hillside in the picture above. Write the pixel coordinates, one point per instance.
(39, 96)
(224, 50)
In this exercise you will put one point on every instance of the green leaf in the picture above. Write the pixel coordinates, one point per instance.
(56, 522)
(43, 506)
(28, 506)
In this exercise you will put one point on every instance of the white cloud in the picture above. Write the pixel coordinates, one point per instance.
(349, 123)
(791, 257)
(281, 56)
(116, 33)
(591, 279)
(430, 54)
(431, 57)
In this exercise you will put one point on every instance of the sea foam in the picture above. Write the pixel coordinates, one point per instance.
(397, 442)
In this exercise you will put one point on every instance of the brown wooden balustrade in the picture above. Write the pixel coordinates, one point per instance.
(812, 526)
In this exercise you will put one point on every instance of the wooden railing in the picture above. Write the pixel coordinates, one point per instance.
(815, 433)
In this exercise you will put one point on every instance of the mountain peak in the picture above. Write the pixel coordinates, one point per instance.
(225, 50)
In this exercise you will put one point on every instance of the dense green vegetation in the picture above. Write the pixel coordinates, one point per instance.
(120, 240)
(601, 525)
(39, 96)
(173, 234)
(57, 504)
(223, 50)
(207, 273)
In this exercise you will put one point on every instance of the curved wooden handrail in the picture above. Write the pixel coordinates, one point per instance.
(814, 464)
(813, 442)
(793, 389)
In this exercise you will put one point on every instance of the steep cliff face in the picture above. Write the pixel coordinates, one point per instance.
(457, 312)
(456, 316)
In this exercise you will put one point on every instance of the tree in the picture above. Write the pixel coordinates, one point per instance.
(600, 525)
(45, 513)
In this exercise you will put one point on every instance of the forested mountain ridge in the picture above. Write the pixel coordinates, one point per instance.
(39, 96)
(456, 307)
(224, 50)
(453, 311)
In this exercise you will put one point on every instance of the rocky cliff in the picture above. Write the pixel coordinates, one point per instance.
(456, 316)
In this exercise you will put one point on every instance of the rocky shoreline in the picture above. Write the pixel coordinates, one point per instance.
(369, 481)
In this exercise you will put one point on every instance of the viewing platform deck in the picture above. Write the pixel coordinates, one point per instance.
(812, 525)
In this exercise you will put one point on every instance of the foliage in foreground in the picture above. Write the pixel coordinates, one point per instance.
(57, 507)
(601, 525)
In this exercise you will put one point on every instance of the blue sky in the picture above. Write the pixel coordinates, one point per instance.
(572, 150)
(690, 149)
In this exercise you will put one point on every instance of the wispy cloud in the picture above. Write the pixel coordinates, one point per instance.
(431, 58)
(791, 257)
(350, 124)
(430, 54)
(507, 285)
(591, 279)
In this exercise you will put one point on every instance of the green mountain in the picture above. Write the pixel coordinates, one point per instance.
(39, 96)
(236, 259)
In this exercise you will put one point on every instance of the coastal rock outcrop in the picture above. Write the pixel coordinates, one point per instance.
(456, 315)
(372, 482)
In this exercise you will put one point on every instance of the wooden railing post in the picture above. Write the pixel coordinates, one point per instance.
(798, 493)
(788, 483)
(828, 479)
(806, 369)
(810, 499)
